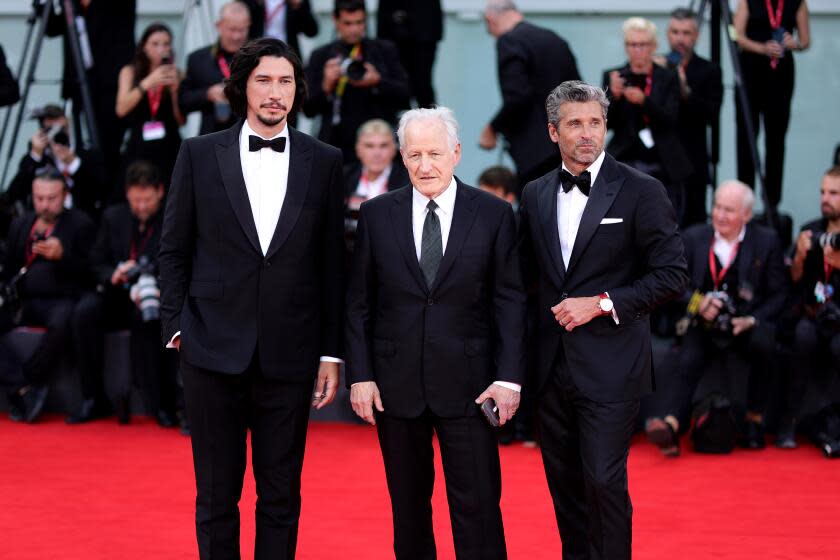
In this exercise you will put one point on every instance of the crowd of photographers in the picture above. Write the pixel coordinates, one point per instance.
(80, 253)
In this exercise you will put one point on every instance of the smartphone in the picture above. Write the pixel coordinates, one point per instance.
(674, 58)
(491, 412)
(166, 60)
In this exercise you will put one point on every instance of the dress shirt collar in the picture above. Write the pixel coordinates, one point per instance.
(445, 200)
(720, 239)
(593, 169)
(247, 131)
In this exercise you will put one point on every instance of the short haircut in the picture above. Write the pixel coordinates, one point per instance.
(142, 173)
(499, 6)
(747, 194)
(683, 14)
(499, 176)
(348, 6)
(247, 58)
(375, 126)
(640, 24)
(573, 91)
(834, 171)
(235, 7)
(442, 114)
(50, 173)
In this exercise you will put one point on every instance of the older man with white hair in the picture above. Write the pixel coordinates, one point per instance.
(435, 327)
(737, 291)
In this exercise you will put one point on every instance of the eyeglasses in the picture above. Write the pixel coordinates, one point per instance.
(630, 45)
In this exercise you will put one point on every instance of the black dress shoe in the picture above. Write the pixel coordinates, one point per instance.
(166, 419)
(90, 409)
(661, 434)
(786, 434)
(753, 436)
(33, 399)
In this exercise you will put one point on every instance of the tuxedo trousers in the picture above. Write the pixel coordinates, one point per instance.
(470, 456)
(222, 408)
(584, 446)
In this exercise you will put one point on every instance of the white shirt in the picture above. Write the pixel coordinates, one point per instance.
(723, 248)
(370, 189)
(570, 206)
(266, 174)
(276, 27)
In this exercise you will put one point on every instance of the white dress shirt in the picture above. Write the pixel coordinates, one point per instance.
(276, 26)
(368, 189)
(723, 248)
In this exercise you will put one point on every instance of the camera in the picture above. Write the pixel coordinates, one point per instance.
(353, 68)
(723, 322)
(144, 290)
(165, 60)
(631, 79)
(58, 134)
(829, 240)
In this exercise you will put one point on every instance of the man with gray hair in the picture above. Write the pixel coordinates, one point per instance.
(600, 239)
(435, 327)
(531, 61)
(737, 290)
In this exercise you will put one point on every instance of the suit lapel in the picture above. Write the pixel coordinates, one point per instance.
(745, 257)
(401, 219)
(547, 208)
(463, 216)
(601, 197)
(701, 258)
(230, 164)
(300, 168)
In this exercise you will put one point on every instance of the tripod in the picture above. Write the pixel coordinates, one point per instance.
(37, 21)
(721, 14)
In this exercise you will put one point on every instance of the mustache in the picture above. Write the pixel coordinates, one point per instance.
(280, 106)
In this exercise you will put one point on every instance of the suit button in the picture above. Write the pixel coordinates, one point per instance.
(430, 302)
(564, 295)
(267, 263)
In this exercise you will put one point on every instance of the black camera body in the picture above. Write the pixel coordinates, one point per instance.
(829, 240)
(353, 68)
(631, 79)
(723, 322)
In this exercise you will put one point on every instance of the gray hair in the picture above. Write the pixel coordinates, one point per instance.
(234, 8)
(573, 91)
(442, 114)
(747, 194)
(499, 6)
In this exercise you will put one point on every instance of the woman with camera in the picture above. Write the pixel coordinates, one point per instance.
(148, 99)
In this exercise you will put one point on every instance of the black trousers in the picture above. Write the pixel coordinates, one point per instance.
(470, 457)
(769, 93)
(584, 446)
(54, 314)
(222, 409)
(697, 349)
(418, 58)
(812, 349)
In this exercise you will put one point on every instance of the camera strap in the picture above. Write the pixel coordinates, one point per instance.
(136, 251)
(717, 278)
(224, 67)
(355, 54)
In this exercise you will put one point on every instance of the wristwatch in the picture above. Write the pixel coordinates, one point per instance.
(605, 303)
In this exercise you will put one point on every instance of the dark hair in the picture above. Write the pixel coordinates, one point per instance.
(348, 6)
(142, 173)
(836, 155)
(834, 171)
(50, 173)
(499, 176)
(683, 14)
(141, 62)
(247, 59)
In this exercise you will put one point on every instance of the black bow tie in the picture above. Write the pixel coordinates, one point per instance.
(582, 181)
(255, 143)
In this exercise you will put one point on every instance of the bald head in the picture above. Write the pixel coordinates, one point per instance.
(233, 25)
(733, 208)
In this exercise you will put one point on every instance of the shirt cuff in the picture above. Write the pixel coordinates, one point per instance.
(508, 385)
(614, 313)
(332, 360)
(171, 343)
(73, 166)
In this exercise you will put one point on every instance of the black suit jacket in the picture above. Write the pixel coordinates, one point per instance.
(9, 90)
(113, 241)
(298, 21)
(353, 172)
(700, 110)
(67, 277)
(441, 346)
(532, 61)
(761, 269)
(202, 72)
(358, 104)
(639, 261)
(219, 290)
(662, 109)
(419, 21)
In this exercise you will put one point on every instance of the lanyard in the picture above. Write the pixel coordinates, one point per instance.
(135, 251)
(155, 97)
(30, 256)
(718, 278)
(647, 90)
(355, 54)
(224, 67)
(827, 269)
(775, 19)
(269, 16)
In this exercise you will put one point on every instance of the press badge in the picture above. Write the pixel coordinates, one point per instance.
(153, 130)
(647, 138)
(823, 292)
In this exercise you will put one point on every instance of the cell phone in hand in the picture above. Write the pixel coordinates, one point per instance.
(491, 412)
(165, 60)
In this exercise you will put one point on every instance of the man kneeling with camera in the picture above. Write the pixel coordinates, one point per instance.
(125, 262)
(737, 290)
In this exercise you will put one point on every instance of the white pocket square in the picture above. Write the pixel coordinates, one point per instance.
(612, 221)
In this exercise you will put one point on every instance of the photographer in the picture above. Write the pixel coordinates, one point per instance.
(47, 264)
(52, 146)
(124, 258)
(736, 292)
(354, 79)
(815, 272)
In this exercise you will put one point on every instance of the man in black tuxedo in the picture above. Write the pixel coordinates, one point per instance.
(435, 326)
(737, 290)
(207, 69)
(644, 107)
(341, 97)
(282, 19)
(701, 92)
(252, 286)
(531, 62)
(51, 243)
(602, 241)
(416, 28)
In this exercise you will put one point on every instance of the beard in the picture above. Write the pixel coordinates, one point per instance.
(271, 121)
(830, 213)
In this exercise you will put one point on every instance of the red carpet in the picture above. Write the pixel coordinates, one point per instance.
(103, 491)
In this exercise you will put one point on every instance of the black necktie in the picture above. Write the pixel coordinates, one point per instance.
(431, 245)
(582, 181)
(255, 143)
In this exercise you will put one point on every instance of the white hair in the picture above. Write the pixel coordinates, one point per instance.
(444, 115)
(499, 6)
(640, 24)
(234, 8)
(747, 194)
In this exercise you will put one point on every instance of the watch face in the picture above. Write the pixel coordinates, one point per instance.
(606, 305)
